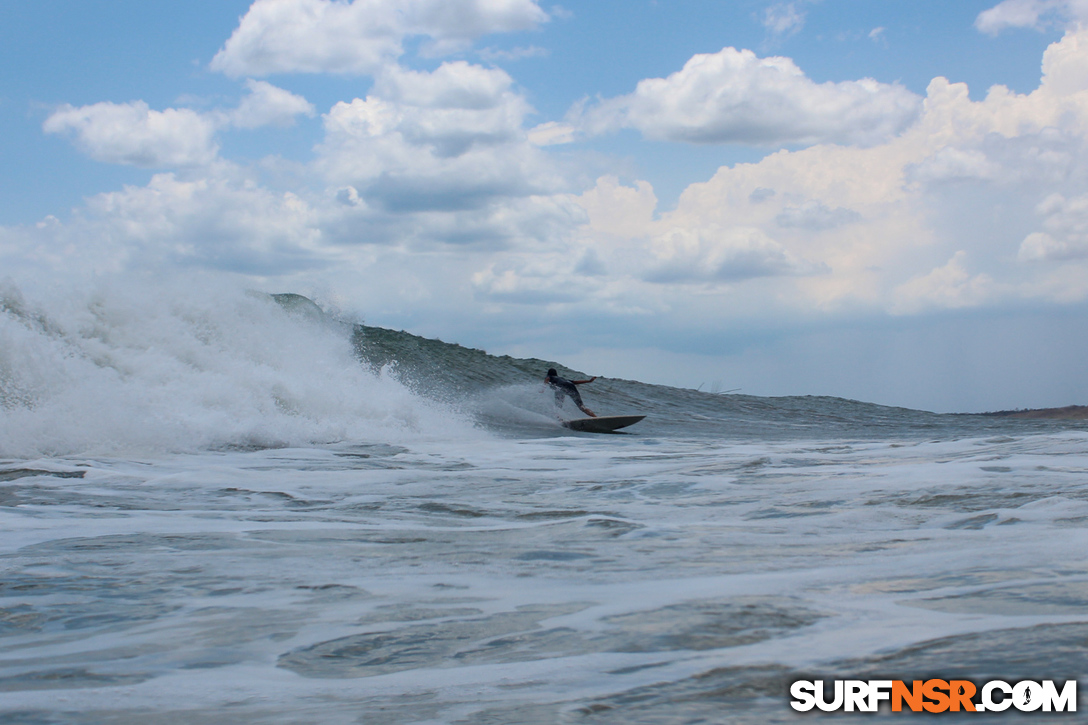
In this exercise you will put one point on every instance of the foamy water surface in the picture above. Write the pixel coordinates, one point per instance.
(395, 560)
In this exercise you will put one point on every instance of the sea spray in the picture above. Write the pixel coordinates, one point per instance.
(182, 366)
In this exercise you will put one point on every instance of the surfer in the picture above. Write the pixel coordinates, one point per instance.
(564, 387)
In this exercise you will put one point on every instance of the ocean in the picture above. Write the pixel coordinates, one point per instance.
(219, 506)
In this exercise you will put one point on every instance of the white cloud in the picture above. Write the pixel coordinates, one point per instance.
(721, 255)
(952, 163)
(1029, 14)
(623, 261)
(944, 214)
(1066, 235)
(814, 215)
(467, 19)
(132, 133)
(735, 97)
(267, 105)
(551, 133)
(360, 37)
(897, 227)
(1040, 246)
(941, 215)
(948, 287)
(429, 159)
(219, 221)
(1065, 65)
(451, 139)
(618, 210)
(210, 222)
(544, 280)
(783, 19)
(761, 194)
(453, 85)
(1011, 14)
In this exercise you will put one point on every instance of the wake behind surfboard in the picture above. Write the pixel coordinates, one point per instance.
(602, 424)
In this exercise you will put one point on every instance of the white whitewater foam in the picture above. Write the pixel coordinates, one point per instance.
(130, 367)
(201, 583)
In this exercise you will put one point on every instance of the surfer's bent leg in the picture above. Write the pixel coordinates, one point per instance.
(577, 398)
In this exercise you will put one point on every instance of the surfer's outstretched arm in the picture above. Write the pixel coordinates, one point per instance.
(583, 382)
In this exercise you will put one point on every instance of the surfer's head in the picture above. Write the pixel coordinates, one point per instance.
(552, 373)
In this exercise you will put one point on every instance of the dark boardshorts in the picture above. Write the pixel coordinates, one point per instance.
(564, 387)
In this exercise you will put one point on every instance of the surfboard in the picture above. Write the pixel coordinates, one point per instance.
(602, 424)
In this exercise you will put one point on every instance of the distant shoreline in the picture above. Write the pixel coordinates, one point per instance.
(1069, 412)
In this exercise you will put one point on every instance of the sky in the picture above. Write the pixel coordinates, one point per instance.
(882, 201)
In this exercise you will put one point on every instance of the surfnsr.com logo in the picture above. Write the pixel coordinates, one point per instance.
(934, 696)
